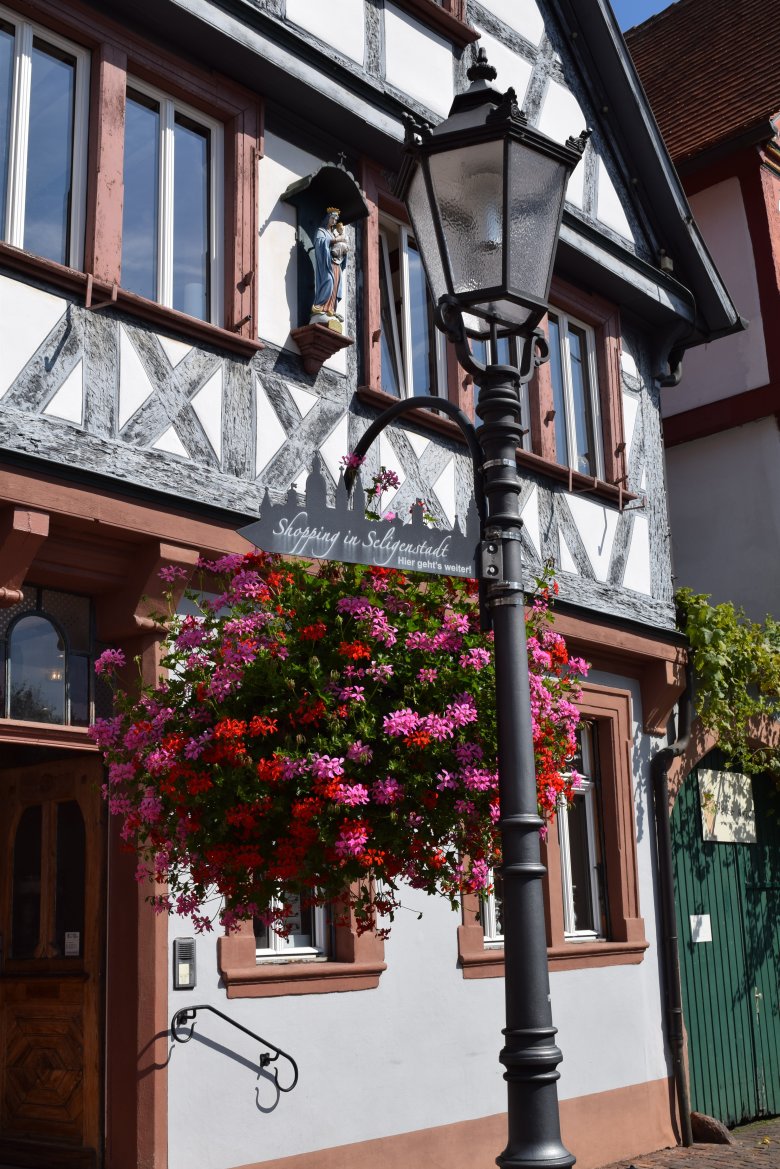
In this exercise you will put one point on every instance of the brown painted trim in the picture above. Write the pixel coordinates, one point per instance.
(105, 168)
(609, 710)
(659, 665)
(599, 1128)
(725, 414)
(371, 180)
(45, 734)
(446, 18)
(357, 964)
(93, 529)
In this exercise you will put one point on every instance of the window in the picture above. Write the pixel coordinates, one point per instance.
(574, 377)
(309, 937)
(580, 845)
(413, 357)
(153, 199)
(591, 889)
(46, 652)
(44, 98)
(579, 838)
(172, 216)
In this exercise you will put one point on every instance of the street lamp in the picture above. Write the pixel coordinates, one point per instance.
(485, 195)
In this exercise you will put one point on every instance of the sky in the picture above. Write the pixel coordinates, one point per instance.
(631, 12)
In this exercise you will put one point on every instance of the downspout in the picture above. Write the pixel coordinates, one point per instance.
(659, 772)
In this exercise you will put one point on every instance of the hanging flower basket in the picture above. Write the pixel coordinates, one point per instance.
(328, 733)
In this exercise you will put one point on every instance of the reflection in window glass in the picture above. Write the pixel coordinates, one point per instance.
(581, 395)
(50, 153)
(6, 81)
(559, 394)
(424, 379)
(37, 671)
(191, 218)
(390, 300)
(140, 224)
(26, 893)
(70, 880)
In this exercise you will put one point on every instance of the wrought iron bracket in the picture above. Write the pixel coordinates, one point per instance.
(186, 1017)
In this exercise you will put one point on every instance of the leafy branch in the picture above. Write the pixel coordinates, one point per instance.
(736, 665)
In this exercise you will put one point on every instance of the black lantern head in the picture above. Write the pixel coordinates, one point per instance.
(485, 195)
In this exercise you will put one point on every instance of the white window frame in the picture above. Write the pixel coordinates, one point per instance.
(169, 107)
(402, 345)
(585, 791)
(12, 227)
(284, 949)
(564, 321)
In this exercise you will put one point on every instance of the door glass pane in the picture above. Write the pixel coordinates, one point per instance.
(6, 80)
(191, 166)
(26, 895)
(580, 864)
(140, 218)
(37, 671)
(69, 887)
(420, 319)
(583, 417)
(559, 399)
(50, 153)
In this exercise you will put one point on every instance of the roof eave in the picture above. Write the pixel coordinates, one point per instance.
(636, 134)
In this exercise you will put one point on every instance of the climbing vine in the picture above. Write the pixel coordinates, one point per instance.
(736, 665)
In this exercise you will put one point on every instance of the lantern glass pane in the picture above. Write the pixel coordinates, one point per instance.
(468, 185)
(421, 215)
(537, 184)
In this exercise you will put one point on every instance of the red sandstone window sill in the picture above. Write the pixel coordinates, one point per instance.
(429, 420)
(478, 960)
(167, 319)
(357, 965)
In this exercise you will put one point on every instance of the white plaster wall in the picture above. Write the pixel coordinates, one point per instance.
(417, 61)
(724, 506)
(732, 364)
(341, 25)
(283, 164)
(512, 71)
(419, 1051)
(561, 118)
(521, 15)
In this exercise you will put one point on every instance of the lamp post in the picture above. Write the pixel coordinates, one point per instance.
(485, 195)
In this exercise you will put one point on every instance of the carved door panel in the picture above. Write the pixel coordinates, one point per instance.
(51, 924)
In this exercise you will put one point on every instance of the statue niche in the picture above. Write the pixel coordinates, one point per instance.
(325, 202)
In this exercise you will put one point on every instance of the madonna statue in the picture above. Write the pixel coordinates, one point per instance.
(330, 259)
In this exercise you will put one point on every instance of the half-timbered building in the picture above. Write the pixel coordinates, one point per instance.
(161, 165)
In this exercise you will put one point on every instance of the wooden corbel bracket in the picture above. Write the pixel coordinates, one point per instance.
(132, 611)
(21, 534)
(317, 343)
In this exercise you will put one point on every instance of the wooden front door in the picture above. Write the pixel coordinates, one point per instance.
(51, 927)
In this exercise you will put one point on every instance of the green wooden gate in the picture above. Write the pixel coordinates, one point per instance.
(731, 985)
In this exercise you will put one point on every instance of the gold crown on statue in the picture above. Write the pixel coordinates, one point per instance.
(333, 210)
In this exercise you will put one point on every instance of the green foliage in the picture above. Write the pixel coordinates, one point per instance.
(736, 666)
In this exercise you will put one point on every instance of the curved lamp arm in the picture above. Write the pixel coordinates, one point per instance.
(403, 406)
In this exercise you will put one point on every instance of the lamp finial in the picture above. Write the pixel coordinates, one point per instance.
(481, 70)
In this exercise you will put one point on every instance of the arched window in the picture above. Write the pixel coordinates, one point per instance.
(47, 645)
(36, 671)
